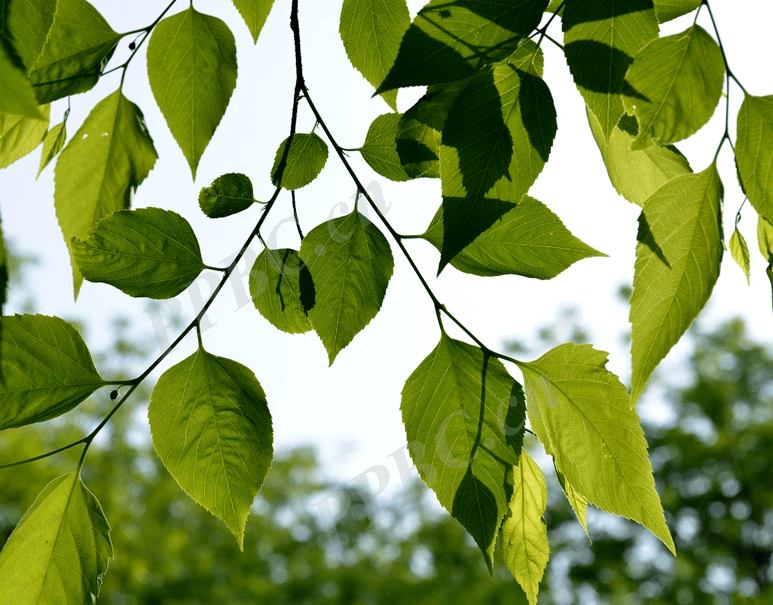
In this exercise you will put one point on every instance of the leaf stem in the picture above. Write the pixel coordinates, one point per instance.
(295, 215)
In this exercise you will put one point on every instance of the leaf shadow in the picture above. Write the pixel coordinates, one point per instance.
(601, 79)
(646, 237)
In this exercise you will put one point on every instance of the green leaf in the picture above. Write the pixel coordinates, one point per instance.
(147, 252)
(740, 252)
(601, 39)
(192, 73)
(20, 135)
(254, 13)
(754, 152)
(211, 427)
(524, 534)
(59, 551)
(380, 148)
(350, 263)
(528, 240)
(99, 169)
(3, 289)
(678, 254)
(305, 160)
(636, 173)
(52, 144)
(26, 27)
(577, 501)
(584, 418)
(464, 418)
(227, 195)
(47, 369)
(765, 238)
(451, 40)
(673, 86)
(16, 94)
(371, 31)
(282, 289)
(671, 9)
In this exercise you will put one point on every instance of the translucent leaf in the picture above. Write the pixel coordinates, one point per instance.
(16, 94)
(99, 169)
(350, 263)
(740, 252)
(524, 534)
(305, 160)
(282, 289)
(577, 501)
(678, 254)
(380, 148)
(20, 135)
(464, 418)
(754, 152)
(601, 39)
(765, 238)
(584, 418)
(60, 549)
(3, 289)
(671, 9)
(636, 173)
(52, 144)
(673, 86)
(192, 72)
(451, 40)
(27, 23)
(527, 240)
(211, 427)
(254, 13)
(371, 31)
(47, 369)
(228, 194)
(147, 252)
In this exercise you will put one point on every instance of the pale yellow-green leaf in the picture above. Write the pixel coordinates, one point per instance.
(754, 152)
(740, 251)
(20, 135)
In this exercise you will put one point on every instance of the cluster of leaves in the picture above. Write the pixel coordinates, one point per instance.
(485, 128)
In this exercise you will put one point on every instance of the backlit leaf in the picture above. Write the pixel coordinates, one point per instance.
(765, 242)
(671, 9)
(20, 135)
(27, 23)
(740, 252)
(380, 149)
(3, 288)
(577, 501)
(227, 195)
(305, 160)
(754, 152)
(16, 94)
(52, 144)
(254, 13)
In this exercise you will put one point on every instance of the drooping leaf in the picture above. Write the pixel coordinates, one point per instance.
(20, 135)
(451, 40)
(671, 9)
(678, 254)
(350, 263)
(52, 144)
(371, 31)
(584, 418)
(754, 153)
(59, 551)
(27, 23)
(99, 169)
(577, 501)
(192, 73)
(765, 243)
(524, 534)
(673, 86)
(228, 194)
(254, 13)
(636, 173)
(282, 289)
(528, 240)
(16, 94)
(305, 160)
(380, 147)
(46, 367)
(211, 427)
(464, 418)
(147, 252)
(601, 39)
(740, 252)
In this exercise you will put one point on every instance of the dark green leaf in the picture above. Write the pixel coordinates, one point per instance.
(305, 160)
(380, 148)
(20, 135)
(671, 9)
(27, 23)
(754, 152)
(16, 94)
(3, 288)
(52, 144)
(227, 195)
(254, 13)
(740, 252)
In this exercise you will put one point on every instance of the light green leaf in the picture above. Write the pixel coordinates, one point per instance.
(380, 148)
(227, 195)
(20, 135)
(211, 427)
(678, 254)
(584, 418)
(16, 94)
(282, 289)
(77, 49)
(47, 369)
(27, 23)
(601, 39)
(305, 160)
(52, 144)
(765, 238)
(577, 501)
(524, 534)
(673, 86)
(254, 13)
(59, 551)
(527, 240)
(754, 152)
(99, 169)
(350, 263)
(147, 252)
(192, 72)
(371, 31)
(671, 9)
(740, 252)
(464, 418)
(636, 173)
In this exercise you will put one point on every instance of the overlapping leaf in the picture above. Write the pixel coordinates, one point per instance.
(52, 144)
(27, 23)
(754, 152)
(228, 194)
(20, 135)
(577, 501)
(305, 160)
(380, 148)
(60, 549)
(671, 9)
(464, 418)
(583, 416)
(678, 254)
(254, 13)
(211, 427)
(16, 94)
(46, 367)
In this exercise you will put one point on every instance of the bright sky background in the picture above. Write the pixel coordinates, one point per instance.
(351, 410)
